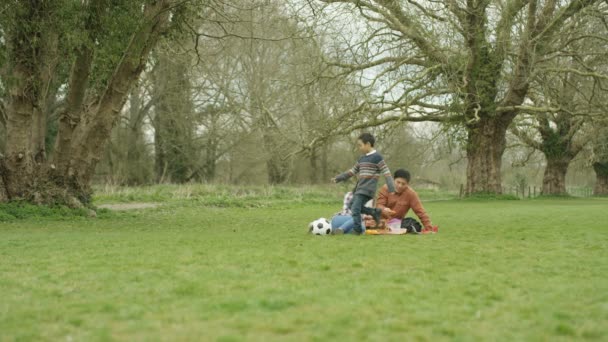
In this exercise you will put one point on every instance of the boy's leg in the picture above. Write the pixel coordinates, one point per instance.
(356, 207)
(375, 212)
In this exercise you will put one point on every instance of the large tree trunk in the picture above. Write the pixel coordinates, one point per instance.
(313, 159)
(324, 163)
(91, 137)
(45, 77)
(277, 170)
(32, 62)
(18, 163)
(211, 156)
(160, 157)
(485, 147)
(2, 128)
(601, 182)
(276, 165)
(174, 126)
(554, 179)
(136, 169)
(3, 173)
(70, 117)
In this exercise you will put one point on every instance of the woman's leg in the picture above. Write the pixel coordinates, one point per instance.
(338, 220)
(342, 222)
(356, 208)
(347, 226)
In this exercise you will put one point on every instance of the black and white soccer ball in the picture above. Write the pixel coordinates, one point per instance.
(320, 227)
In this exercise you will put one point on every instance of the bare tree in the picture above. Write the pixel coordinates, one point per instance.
(600, 161)
(568, 98)
(111, 49)
(128, 158)
(468, 63)
(559, 134)
(265, 77)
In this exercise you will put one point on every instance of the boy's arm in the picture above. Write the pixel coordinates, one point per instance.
(416, 205)
(346, 175)
(387, 175)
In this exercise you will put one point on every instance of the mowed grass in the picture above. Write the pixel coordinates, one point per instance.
(532, 270)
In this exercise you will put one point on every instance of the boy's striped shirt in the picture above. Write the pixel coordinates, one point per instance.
(369, 168)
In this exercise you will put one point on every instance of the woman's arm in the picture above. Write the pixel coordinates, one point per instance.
(382, 202)
(382, 198)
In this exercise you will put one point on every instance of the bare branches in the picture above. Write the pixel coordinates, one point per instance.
(391, 14)
(3, 117)
(505, 26)
(529, 109)
(410, 29)
(594, 75)
(564, 14)
(426, 12)
(397, 61)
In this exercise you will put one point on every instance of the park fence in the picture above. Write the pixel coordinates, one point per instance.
(535, 191)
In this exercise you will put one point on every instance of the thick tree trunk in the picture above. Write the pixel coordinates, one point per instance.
(70, 117)
(210, 166)
(91, 137)
(177, 153)
(159, 150)
(2, 129)
(32, 52)
(313, 159)
(31, 75)
(485, 147)
(276, 165)
(45, 78)
(276, 170)
(324, 163)
(3, 181)
(19, 159)
(39, 134)
(23, 95)
(601, 180)
(32, 62)
(554, 179)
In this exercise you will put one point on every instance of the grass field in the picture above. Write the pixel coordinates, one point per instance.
(532, 270)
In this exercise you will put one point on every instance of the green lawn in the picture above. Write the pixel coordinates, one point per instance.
(498, 270)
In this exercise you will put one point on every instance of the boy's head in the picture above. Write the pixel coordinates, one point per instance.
(402, 180)
(365, 143)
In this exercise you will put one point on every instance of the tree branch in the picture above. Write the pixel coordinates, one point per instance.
(529, 109)
(578, 72)
(525, 138)
(396, 60)
(504, 27)
(573, 7)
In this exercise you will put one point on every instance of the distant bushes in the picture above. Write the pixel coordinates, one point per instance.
(220, 195)
(22, 210)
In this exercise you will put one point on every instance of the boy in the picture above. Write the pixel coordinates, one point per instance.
(369, 168)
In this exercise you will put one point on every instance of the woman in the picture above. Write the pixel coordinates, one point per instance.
(397, 204)
(342, 222)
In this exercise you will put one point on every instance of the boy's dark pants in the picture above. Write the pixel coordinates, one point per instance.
(357, 207)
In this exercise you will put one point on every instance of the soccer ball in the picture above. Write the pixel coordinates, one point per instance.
(320, 227)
